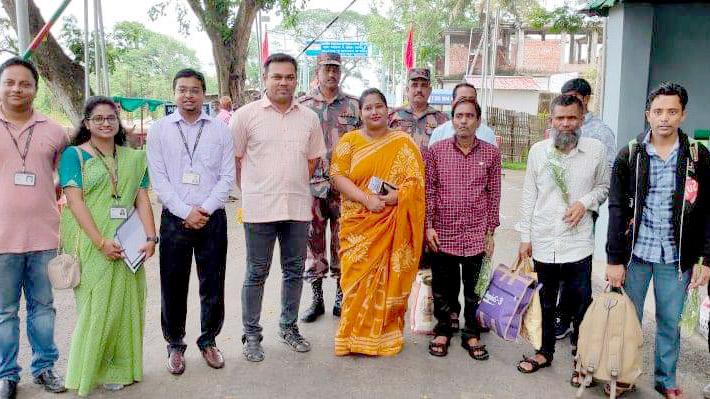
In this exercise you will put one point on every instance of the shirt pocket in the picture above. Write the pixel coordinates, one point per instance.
(211, 156)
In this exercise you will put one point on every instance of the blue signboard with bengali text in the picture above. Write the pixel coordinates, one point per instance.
(344, 48)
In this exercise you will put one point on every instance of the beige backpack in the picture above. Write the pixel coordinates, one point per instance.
(610, 342)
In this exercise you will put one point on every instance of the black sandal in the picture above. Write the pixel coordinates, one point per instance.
(577, 380)
(621, 389)
(439, 349)
(478, 352)
(534, 363)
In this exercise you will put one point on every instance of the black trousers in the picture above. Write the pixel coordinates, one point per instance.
(577, 279)
(564, 312)
(177, 245)
(447, 273)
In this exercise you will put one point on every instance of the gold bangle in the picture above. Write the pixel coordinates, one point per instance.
(101, 244)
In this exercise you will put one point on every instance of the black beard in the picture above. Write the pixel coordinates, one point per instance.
(565, 141)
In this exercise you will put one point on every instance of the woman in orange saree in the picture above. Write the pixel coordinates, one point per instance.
(381, 234)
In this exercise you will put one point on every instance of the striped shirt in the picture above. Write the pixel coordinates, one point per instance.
(212, 160)
(29, 216)
(274, 149)
(655, 241)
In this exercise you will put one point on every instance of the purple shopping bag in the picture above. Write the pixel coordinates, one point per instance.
(505, 301)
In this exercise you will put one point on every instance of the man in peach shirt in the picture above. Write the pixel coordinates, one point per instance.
(29, 226)
(277, 144)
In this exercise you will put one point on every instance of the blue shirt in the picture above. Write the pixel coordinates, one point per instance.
(213, 160)
(447, 130)
(595, 128)
(655, 242)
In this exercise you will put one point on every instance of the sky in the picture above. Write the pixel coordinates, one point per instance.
(137, 10)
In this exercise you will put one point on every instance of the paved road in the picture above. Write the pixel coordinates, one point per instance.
(319, 374)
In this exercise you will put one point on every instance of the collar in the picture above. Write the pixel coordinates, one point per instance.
(35, 118)
(266, 103)
(177, 117)
(429, 110)
(318, 95)
(588, 117)
(651, 149)
(476, 141)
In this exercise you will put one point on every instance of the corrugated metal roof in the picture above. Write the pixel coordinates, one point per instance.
(599, 7)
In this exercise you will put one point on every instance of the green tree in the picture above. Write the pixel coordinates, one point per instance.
(228, 24)
(62, 75)
(147, 61)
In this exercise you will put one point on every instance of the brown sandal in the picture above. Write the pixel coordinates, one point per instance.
(439, 349)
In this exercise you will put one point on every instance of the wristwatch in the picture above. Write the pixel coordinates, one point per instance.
(154, 239)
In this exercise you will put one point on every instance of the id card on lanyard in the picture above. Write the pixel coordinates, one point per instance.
(116, 211)
(23, 177)
(191, 177)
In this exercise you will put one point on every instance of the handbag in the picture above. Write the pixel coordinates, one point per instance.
(505, 302)
(64, 270)
(531, 328)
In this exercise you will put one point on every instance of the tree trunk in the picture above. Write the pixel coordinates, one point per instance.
(64, 77)
(230, 50)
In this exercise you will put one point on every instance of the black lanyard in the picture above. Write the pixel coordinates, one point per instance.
(197, 140)
(113, 174)
(23, 155)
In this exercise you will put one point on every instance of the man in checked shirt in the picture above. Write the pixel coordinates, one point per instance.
(463, 200)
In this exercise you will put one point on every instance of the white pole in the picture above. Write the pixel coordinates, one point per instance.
(104, 58)
(97, 54)
(494, 59)
(486, 63)
(87, 44)
(23, 25)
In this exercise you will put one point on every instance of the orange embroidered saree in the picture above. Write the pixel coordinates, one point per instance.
(379, 252)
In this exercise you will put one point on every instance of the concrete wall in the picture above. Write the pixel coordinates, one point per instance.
(517, 100)
(681, 53)
(628, 56)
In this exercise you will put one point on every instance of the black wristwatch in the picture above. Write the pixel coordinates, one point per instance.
(154, 239)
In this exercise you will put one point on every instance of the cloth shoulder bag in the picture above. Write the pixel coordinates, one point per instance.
(64, 270)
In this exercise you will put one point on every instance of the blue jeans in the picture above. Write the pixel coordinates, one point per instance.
(260, 240)
(26, 271)
(669, 292)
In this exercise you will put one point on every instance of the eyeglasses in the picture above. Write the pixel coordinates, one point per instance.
(99, 120)
(192, 91)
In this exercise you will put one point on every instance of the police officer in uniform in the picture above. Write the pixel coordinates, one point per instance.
(339, 113)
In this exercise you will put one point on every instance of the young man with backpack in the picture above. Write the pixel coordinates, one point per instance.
(659, 206)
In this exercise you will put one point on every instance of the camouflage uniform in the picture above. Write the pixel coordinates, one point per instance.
(337, 118)
(421, 128)
(403, 118)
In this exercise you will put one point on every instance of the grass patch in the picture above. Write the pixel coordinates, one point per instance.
(515, 165)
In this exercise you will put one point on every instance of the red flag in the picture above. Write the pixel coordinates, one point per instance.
(265, 48)
(409, 50)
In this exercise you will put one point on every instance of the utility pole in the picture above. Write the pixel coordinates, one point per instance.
(23, 25)
(87, 45)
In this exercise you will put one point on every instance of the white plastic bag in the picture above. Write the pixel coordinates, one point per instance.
(422, 315)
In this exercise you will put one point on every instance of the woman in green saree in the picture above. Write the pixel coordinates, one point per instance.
(103, 181)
